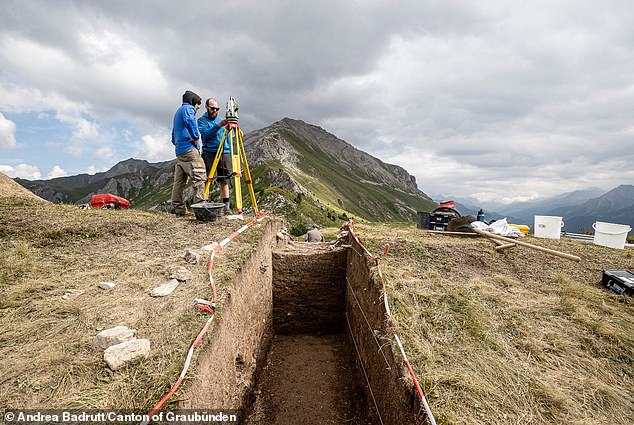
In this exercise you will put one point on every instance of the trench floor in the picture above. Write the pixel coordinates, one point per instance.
(309, 379)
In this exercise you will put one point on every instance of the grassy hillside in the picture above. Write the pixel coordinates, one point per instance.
(46, 342)
(349, 187)
(518, 337)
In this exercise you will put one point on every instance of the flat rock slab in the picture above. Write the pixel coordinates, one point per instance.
(112, 336)
(165, 289)
(127, 353)
(106, 285)
(181, 274)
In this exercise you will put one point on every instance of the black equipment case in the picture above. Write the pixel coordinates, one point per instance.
(619, 281)
(438, 220)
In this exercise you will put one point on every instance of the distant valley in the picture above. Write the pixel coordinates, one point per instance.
(579, 209)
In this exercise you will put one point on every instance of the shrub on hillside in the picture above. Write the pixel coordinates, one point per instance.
(299, 229)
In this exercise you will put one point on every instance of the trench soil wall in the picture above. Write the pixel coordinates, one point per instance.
(310, 376)
(347, 303)
(309, 291)
(226, 366)
(391, 388)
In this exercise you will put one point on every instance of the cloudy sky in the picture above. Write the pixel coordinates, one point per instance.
(498, 100)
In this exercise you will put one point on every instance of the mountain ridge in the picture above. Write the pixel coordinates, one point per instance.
(615, 206)
(289, 158)
(579, 209)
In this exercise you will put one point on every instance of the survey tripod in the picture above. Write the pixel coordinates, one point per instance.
(238, 158)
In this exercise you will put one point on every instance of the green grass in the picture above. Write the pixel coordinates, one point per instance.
(345, 188)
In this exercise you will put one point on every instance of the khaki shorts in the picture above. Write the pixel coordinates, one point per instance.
(223, 171)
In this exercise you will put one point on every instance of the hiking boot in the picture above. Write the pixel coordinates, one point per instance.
(184, 214)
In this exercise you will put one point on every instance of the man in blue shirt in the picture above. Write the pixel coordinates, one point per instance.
(212, 130)
(189, 163)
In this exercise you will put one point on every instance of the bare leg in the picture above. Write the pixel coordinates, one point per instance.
(224, 190)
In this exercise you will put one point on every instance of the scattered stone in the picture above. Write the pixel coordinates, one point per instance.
(165, 289)
(71, 293)
(127, 353)
(192, 256)
(342, 234)
(181, 274)
(210, 247)
(106, 285)
(113, 336)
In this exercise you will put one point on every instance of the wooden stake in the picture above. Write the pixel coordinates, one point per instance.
(539, 248)
(445, 232)
(502, 246)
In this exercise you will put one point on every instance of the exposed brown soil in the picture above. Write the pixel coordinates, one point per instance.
(311, 374)
(309, 379)
(309, 290)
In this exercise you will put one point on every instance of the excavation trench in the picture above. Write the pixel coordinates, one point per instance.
(303, 340)
(310, 374)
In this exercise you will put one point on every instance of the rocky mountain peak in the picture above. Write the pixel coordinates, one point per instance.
(131, 166)
(289, 140)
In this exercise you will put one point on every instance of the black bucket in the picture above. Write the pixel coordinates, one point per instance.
(208, 211)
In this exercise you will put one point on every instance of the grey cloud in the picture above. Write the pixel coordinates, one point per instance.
(497, 88)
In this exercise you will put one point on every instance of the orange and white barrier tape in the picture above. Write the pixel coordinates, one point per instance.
(390, 322)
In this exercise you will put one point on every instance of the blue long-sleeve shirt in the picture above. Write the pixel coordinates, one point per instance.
(212, 134)
(185, 131)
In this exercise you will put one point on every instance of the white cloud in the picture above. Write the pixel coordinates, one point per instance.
(23, 171)
(156, 147)
(91, 169)
(7, 133)
(104, 152)
(57, 171)
(101, 71)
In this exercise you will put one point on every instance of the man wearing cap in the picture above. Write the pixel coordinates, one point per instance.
(212, 130)
(189, 163)
(314, 235)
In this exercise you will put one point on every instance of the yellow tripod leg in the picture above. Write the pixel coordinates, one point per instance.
(235, 165)
(210, 177)
(247, 173)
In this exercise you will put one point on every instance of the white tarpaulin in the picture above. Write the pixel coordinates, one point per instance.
(498, 227)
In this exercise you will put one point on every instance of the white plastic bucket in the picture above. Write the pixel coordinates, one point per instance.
(610, 234)
(548, 226)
